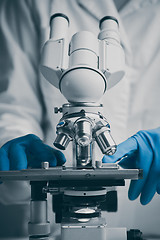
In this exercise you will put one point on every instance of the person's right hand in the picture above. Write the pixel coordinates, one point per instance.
(141, 151)
(28, 151)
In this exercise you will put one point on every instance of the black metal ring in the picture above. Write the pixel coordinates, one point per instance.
(59, 15)
(82, 67)
(84, 215)
(108, 18)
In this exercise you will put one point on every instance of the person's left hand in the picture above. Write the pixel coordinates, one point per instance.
(141, 151)
(28, 151)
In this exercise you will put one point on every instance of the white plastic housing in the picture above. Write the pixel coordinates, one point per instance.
(82, 81)
(83, 84)
(54, 57)
(59, 28)
(111, 62)
(51, 61)
(83, 69)
(84, 49)
(111, 54)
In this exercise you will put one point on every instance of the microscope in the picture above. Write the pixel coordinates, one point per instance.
(83, 69)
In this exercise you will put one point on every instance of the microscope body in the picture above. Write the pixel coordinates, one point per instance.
(82, 69)
(86, 66)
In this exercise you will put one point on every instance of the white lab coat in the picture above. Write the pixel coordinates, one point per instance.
(27, 100)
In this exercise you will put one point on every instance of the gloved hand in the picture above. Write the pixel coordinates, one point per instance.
(141, 151)
(28, 151)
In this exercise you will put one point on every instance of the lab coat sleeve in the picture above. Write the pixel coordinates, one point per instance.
(21, 102)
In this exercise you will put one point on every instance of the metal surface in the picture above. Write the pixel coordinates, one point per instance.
(67, 173)
(86, 193)
(39, 238)
(45, 165)
(84, 128)
(92, 230)
(55, 238)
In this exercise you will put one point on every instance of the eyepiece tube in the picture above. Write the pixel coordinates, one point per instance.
(59, 26)
(109, 29)
(103, 21)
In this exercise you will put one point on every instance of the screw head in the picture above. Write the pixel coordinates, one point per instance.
(44, 165)
(57, 110)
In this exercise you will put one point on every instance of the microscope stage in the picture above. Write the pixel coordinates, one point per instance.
(106, 175)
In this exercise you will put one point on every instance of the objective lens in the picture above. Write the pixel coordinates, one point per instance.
(83, 141)
(83, 155)
(62, 140)
(106, 143)
(83, 132)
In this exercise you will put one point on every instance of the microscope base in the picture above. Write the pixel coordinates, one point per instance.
(95, 232)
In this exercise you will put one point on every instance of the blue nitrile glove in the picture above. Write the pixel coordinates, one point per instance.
(141, 151)
(28, 151)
